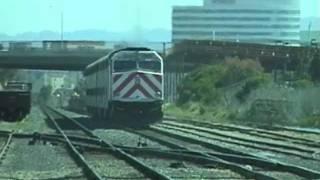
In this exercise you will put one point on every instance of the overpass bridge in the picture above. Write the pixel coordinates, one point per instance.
(51, 55)
(73, 61)
(76, 55)
(60, 55)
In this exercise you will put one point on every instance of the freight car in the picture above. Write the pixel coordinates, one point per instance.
(126, 86)
(15, 101)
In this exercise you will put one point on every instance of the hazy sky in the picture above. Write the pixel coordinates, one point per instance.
(17, 16)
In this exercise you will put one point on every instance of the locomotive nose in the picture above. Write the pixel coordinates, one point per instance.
(137, 79)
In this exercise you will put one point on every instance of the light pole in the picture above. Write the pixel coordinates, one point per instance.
(61, 25)
(309, 30)
(51, 6)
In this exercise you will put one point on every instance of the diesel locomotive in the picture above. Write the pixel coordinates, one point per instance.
(126, 84)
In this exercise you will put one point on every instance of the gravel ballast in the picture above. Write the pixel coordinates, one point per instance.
(38, 159)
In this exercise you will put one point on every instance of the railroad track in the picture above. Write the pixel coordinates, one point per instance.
(93, 145)
(185, 142)
(179, 162)
(277, 133)
(249, 141)
(116, 155)
(290, 157)
(5, 146)
(182, 149)
(299, 130)
(21, 156)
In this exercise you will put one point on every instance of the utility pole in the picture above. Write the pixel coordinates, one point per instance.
(309, 30)
(164, 49)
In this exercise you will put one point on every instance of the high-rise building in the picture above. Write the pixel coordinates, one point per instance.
(238, 20)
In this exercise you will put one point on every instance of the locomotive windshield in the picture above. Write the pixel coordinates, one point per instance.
(136, 60)
(124, 65)
(149, 62)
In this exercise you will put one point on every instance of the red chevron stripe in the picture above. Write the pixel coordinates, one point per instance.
(134, 88)
(144, 92)
(158, 77)
(125, 82)
(116, 77)
(148, 81)
(129, 93)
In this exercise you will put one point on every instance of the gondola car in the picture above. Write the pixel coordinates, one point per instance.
(125, 85)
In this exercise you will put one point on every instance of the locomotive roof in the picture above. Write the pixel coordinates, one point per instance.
(114, 52)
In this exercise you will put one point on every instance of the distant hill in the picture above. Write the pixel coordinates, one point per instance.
(158, 35)
(93, 34)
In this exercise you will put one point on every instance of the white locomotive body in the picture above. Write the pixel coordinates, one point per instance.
(127, 83)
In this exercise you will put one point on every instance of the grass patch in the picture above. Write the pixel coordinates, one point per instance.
(312, 121)
(200, 112)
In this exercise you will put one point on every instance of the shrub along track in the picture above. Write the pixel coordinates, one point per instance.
(169, 137)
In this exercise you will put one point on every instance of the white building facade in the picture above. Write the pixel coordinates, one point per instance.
(238, 20)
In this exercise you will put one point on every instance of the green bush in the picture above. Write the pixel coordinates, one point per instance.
(200, 85)
(205, 84)
(303, 83)
(238, 70)
(313, 121)
(250, 85)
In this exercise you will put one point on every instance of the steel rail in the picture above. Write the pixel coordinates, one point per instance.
(139, 165)
(88, 144)
(5, 147)
(231, 165)
(300, 130)
(246, 142)
(238, 157)
(80, 160)
(213, 132)
(249, 130)
(248, 145)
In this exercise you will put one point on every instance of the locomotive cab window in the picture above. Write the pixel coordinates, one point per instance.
(149, 62)
(136, 60)
(154, 66)
(123, 61)
(124, 65)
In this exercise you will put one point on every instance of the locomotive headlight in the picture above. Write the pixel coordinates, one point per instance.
(158, 94)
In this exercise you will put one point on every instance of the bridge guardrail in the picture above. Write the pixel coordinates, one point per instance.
(75, 46)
